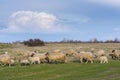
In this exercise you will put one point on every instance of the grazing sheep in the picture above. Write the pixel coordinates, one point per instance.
(103, 59)
(6, 59)
(115, 54)
(70, 53)
(28, 53)
(24, 62)
(42, 57)
(92, 50)
(88, 56)
(101, 53)
(56, 57)
(34, 60)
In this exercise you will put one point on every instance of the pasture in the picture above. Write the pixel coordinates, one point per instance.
(72, 70)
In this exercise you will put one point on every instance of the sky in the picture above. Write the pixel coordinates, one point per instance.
(55, 20)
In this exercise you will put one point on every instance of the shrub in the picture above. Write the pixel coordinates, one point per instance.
(34, 42)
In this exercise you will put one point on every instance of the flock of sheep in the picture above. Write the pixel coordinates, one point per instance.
(58, 56)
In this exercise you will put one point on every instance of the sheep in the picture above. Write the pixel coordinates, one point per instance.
(115, 54)
(70, 53)
(92, 50)
(101, 53)
(55, 57)
(24, 62)
(34, 60)
(28, 53)
(6, 59)
(103, 59)
(88, 56)
(42, 57)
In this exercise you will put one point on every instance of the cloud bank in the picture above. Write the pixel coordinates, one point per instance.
(30, 21)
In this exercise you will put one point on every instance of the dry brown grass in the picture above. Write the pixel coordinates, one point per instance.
(19, 49)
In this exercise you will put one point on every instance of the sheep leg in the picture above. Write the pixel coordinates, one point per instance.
(91, 61)
(38, 62)
(106, 61)
(81, 60)
(101, 61)
(9, 65)
(86, 61)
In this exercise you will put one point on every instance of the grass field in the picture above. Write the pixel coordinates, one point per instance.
(66, 71)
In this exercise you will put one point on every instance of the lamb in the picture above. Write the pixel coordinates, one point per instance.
(88, 56)
(56, 57)
(103, 59)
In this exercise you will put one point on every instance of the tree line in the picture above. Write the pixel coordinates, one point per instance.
(39, 42)
(95, 40)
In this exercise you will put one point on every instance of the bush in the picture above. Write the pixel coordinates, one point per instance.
(34, 42)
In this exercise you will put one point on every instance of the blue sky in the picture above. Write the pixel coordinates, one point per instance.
(54, 20)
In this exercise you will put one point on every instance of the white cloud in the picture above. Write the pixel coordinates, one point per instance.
(29, 21)
(110, 3)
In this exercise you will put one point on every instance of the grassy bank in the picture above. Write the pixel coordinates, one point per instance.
(67, 71)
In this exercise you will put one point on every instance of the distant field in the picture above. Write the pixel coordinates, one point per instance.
(72, 70)
(19, 48)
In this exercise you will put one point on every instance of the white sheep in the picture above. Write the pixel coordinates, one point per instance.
(24, 62)
(101, 53)
(103, 59)
(42, 57)
(34, 60)
(6, 59)
(88, 56)
(115, 54)
(70, 52)
(56, 57)
(92, 50)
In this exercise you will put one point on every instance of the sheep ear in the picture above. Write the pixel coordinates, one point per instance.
(32, 54)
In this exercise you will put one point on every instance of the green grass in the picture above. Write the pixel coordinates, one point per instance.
(67, 71)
